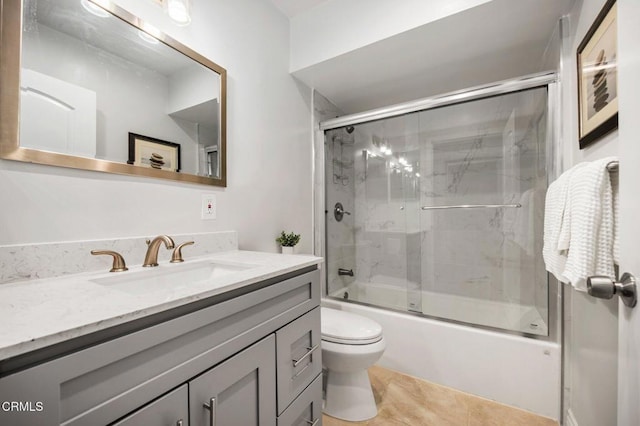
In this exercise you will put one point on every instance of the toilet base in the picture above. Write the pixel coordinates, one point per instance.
(349, 396)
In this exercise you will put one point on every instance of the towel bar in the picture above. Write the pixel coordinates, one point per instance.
(473, 206)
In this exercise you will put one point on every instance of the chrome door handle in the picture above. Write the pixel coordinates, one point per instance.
(604, 287)
(211, 406)
(297, 362)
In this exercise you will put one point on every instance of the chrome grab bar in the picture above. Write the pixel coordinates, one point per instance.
(473, 206)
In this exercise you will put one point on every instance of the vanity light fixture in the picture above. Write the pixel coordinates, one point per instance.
(94, 9)
(179, 11)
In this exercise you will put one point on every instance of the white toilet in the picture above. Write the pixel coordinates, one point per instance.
(350, 344)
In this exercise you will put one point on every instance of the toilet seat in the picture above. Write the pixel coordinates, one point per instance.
(348, 329)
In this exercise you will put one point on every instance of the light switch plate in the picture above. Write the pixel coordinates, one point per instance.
(209, 206)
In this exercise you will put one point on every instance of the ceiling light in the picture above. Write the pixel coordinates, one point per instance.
(179, 11)
(94, 9)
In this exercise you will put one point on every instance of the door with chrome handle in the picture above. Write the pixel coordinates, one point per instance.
(604, 287)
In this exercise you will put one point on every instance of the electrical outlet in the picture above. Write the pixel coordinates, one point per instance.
(209, 206)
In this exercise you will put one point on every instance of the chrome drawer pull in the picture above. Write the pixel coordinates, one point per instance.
(300, 372)
(313, 423)
(297, 362)
(211, 406)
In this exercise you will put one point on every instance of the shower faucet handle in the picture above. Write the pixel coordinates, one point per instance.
(339, 212)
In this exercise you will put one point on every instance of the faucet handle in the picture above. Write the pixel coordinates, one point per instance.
(118, 261)
(176, 257)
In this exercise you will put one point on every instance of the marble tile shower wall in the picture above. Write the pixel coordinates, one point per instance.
(387, 226)
(490, 254)
(34, 261)
(340, 183)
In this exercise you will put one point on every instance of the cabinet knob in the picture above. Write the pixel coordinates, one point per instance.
(180, 423)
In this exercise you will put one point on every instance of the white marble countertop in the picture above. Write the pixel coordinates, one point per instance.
(39, 313)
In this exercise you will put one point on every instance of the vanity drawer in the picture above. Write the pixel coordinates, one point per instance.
(306, 410)
(298, 357)
(169, 410)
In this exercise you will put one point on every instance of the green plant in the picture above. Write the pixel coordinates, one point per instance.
(288, 240)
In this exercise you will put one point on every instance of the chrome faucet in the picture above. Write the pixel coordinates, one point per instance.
(343, 271)
(151, 258)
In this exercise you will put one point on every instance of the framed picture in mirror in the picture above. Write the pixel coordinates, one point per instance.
(597, 59)
(155, 153)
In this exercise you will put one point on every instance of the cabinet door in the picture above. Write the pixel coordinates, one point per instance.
(299, 361)
(239, 391)
(168, 410)
(306, 410)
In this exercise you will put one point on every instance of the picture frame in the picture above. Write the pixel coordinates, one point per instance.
(145, 151)
(597, 59)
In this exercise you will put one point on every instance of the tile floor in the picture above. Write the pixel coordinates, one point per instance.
(407, 401)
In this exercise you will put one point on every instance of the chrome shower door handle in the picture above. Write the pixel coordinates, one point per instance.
(604, 287)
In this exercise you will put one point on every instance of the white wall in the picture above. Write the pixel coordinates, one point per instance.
(269, 150)
(337, 27)
(590, 324)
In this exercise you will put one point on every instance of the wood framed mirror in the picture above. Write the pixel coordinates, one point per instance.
(79, 76)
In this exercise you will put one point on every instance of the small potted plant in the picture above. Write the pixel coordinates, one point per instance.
(288, 241)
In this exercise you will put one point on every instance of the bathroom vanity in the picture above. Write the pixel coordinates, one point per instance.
(239, 349)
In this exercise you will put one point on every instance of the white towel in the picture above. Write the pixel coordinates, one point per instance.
(589, 209)
(556, 223)
(616, 222)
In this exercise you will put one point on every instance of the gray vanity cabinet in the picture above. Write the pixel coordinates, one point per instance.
(168, 410)
(235, 353)
(298, 357)
(240, 391)
(306, 409)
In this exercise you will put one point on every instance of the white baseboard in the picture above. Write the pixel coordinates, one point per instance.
(571, 419)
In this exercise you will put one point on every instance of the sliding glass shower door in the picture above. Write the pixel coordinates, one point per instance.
(442, 212)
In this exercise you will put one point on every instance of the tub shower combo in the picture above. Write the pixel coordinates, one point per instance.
(434, 209)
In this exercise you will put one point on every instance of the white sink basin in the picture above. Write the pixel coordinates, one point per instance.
(169, 277)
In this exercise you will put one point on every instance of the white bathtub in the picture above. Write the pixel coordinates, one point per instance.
(512, 370)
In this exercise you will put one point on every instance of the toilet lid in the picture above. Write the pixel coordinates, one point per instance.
(347, 328)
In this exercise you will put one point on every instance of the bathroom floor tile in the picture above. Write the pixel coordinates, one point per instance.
(407, 401)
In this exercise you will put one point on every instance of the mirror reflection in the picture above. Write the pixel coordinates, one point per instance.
(93, 85)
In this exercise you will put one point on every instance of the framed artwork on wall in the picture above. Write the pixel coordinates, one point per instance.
(597, 59)
(150, 152)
